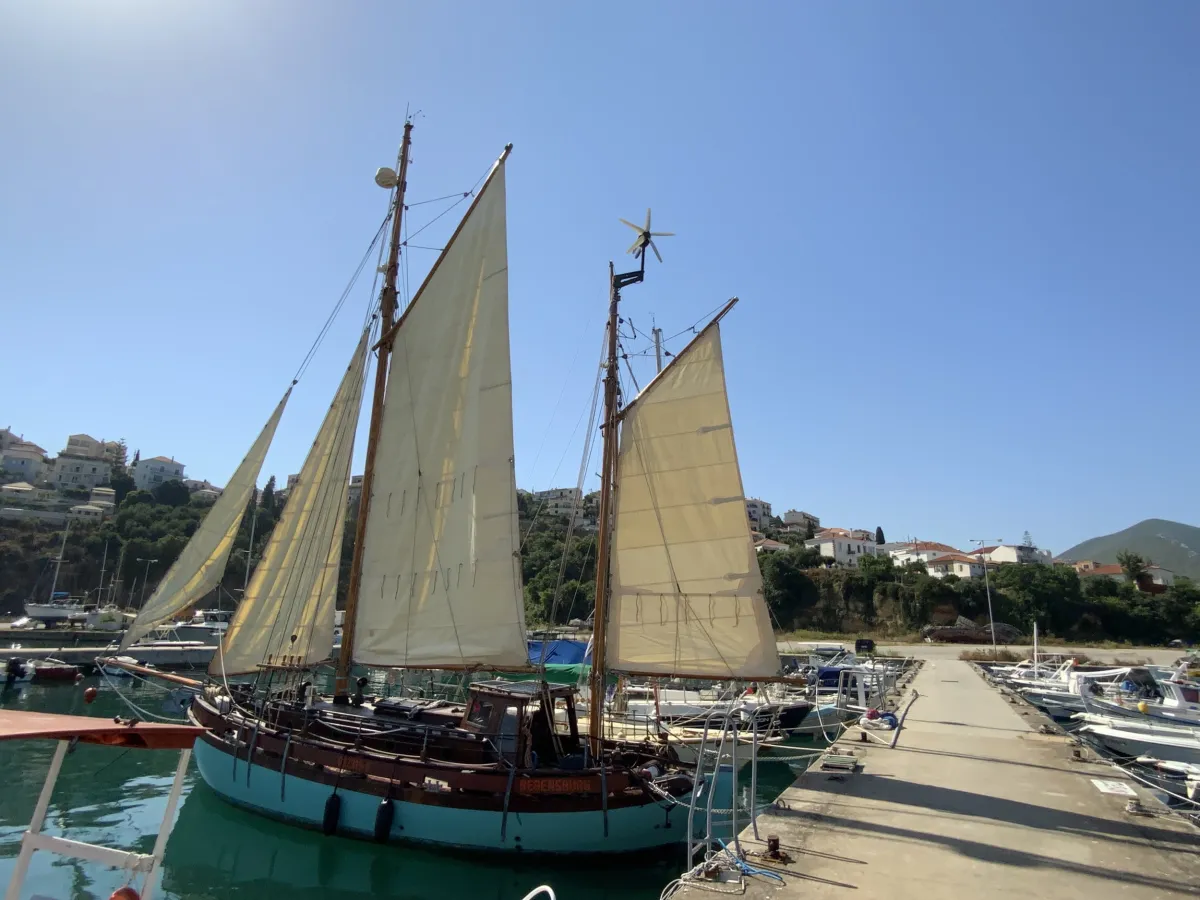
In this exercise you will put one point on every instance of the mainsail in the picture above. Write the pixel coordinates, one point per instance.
(286, 617)
(441, 582)
(686, 590)
(202, 563)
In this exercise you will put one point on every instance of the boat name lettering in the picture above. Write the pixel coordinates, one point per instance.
(554, 786)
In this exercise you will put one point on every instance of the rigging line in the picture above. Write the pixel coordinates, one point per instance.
(439, 199)
(422, 247)
(554, 413)
(691, 329)
(537, 513)
(576, 503)
(629, 368)
(341, 300)
(439, 215)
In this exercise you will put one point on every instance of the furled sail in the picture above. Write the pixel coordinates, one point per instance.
(441, 583)
(286, 617)
(202, 563)
(686, 590)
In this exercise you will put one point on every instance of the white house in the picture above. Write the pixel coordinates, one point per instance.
(556, 501)
(1157, 574)
(87, 512)
(797, 521)
(354, 492)
(759, 513)
(81, 472)
(842, 548)
(1013, 553)
(149, 473)
(23, 458)
(955, 564)
(923, 552)
(104, 497)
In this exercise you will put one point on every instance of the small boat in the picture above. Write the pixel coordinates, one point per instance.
(1174, 700)
(20, 671)
(1130, 738)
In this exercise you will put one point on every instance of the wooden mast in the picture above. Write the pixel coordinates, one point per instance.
(387, 312)
(603, 548)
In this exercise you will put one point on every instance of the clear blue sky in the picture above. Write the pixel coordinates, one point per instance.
(964, 234)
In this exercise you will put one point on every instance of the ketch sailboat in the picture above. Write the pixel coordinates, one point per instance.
(435, 583)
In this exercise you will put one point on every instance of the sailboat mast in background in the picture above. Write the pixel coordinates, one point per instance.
(387, 313)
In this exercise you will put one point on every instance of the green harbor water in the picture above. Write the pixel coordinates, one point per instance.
(117, 798)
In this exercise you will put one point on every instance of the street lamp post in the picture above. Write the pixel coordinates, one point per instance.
(145, 579)
(987, 586)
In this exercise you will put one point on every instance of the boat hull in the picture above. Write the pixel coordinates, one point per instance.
(1124, 743)
(299, 801)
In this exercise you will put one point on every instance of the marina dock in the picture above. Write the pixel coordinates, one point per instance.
(974, 801)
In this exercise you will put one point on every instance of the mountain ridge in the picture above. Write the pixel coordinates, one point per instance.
(1172, 545)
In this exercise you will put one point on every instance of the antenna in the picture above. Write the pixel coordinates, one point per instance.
(645, 239)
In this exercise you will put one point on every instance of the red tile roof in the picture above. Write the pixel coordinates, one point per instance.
(985, 550)
(954, 557)
(1104, 570)
(931, 545)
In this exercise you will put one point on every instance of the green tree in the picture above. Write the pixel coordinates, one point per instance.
(879, 534)
(877, 568)
(787, 586)
(171, 493)
(1134, 566)
(810, 532)
(122, 484)
(267, 501)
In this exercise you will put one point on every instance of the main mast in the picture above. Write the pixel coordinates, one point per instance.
(608, 470)
(387, 313)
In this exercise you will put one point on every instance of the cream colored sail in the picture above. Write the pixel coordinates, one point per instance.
(686, 591)
(202, 563)
(441, 581)
(286, 617)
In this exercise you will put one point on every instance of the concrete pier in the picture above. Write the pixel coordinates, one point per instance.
(974, 802)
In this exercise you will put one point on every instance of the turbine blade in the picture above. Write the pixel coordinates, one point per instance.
(647, 228)
(634, 246)
(662, 234)
(656, 253)
(636, 228)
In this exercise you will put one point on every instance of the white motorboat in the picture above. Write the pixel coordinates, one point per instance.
(207, 626)
(1133, 738)
(1174, 700)
(60, 608)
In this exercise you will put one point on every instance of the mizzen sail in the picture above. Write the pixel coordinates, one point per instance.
(286, 617)
(441, 582)
(202, 563)
(686, 590)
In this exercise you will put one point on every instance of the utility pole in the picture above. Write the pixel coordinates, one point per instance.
(657, 333)
(103, 565)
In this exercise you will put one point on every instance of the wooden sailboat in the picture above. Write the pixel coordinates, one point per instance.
(435, 584)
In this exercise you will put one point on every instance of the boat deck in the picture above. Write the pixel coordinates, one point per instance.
(973, 802)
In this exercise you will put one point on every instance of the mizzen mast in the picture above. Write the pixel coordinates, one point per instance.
(387, 313)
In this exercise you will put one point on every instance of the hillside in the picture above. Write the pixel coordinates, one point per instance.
(1172, 545)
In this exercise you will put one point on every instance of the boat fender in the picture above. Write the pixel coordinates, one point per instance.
(1142, 707)
(651, 772)
(384, 815)
(15, 668)
(224, 704)
(89, 695)
(125, 893)
(333, 810)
